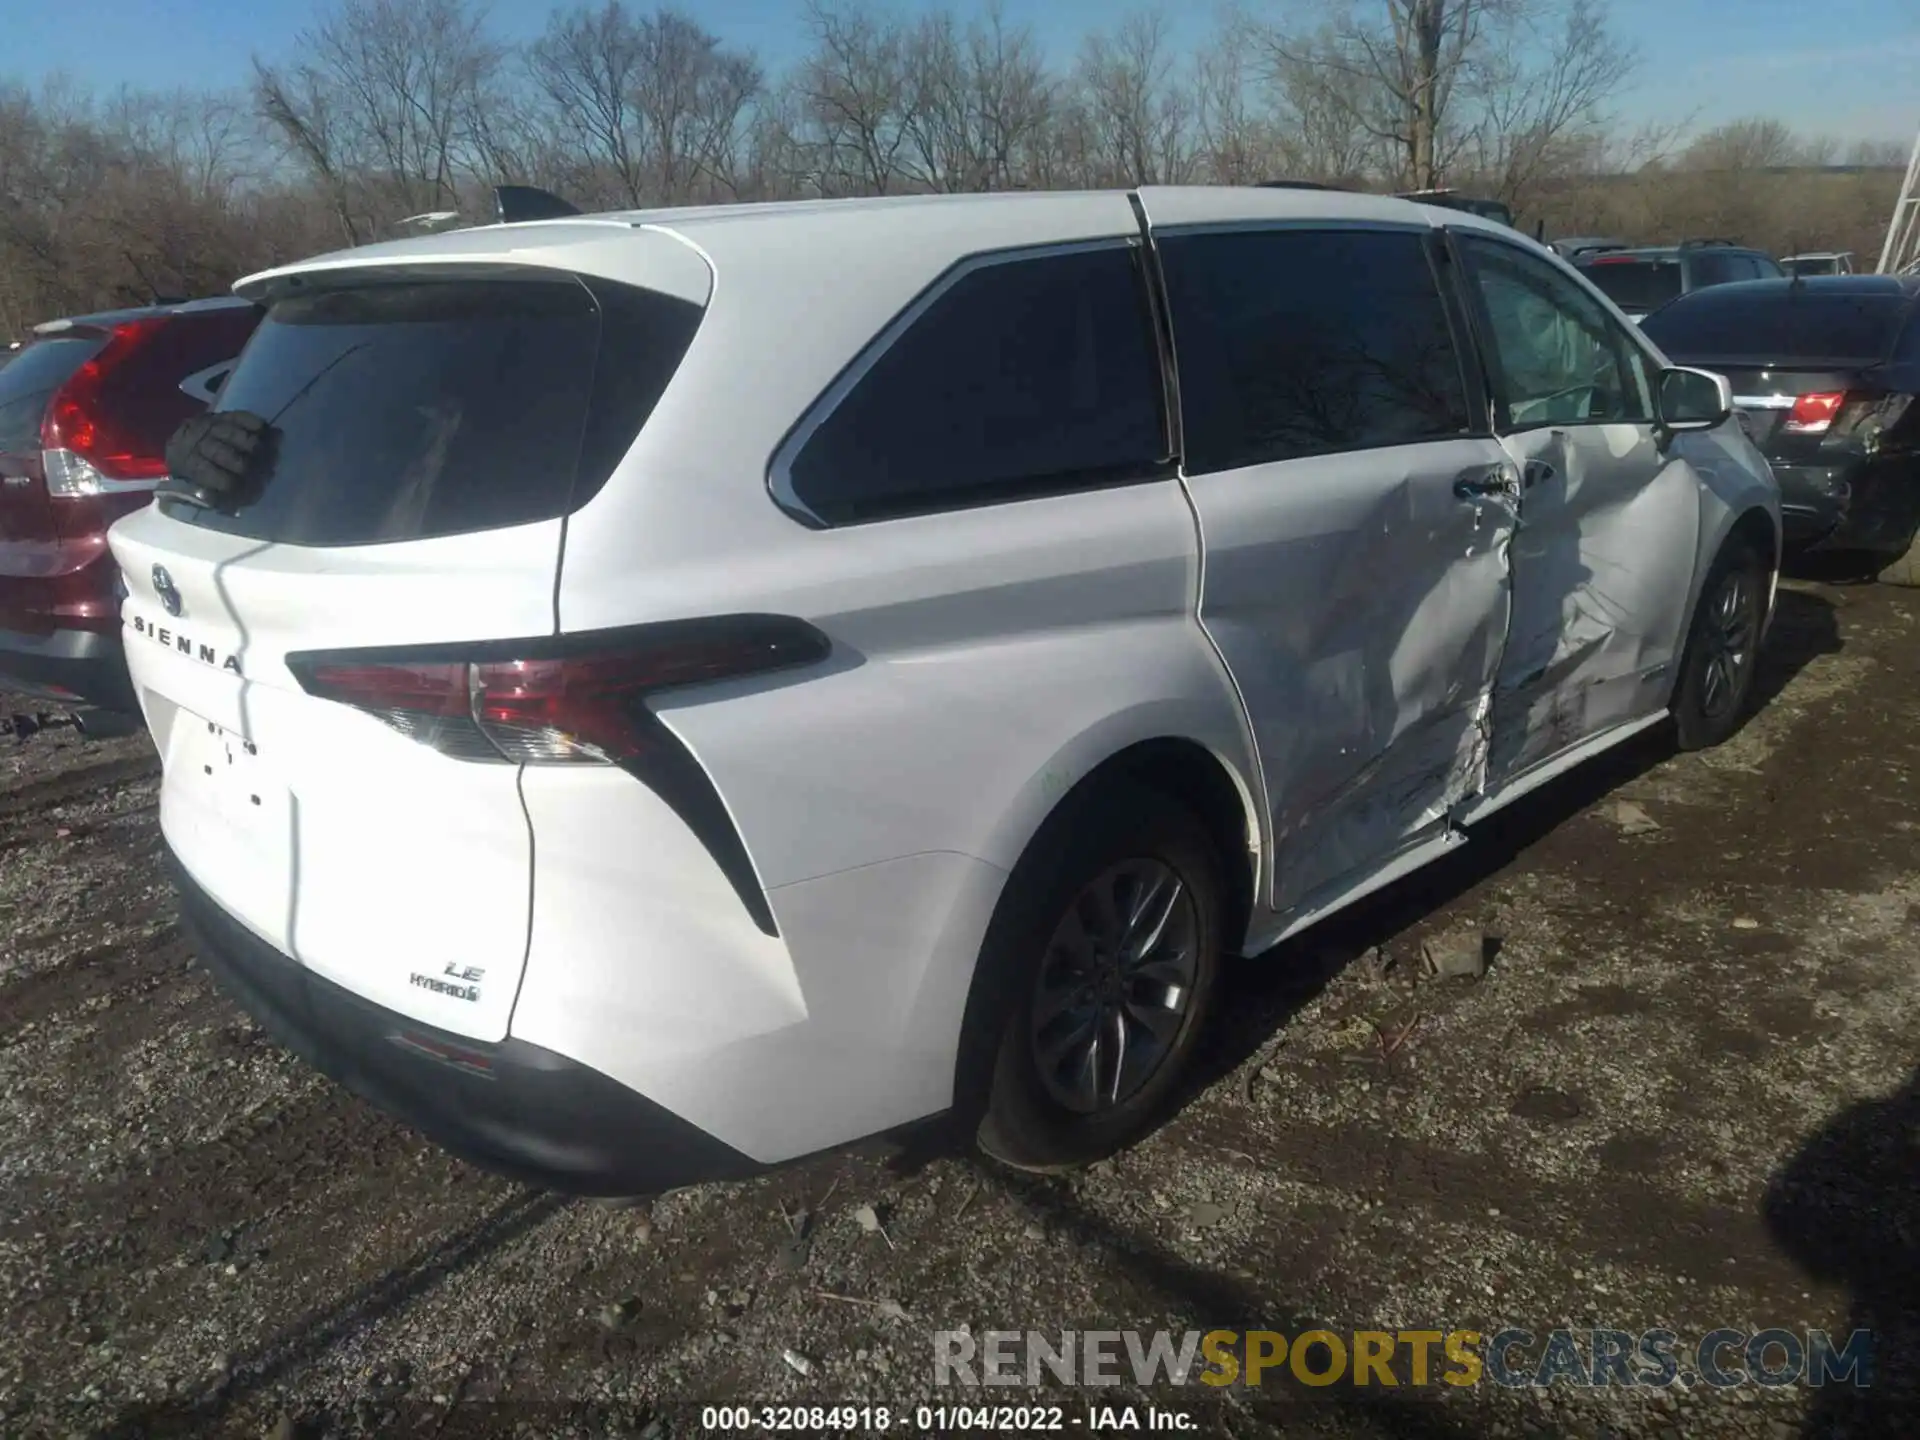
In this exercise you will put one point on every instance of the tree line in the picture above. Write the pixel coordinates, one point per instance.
(382, 110)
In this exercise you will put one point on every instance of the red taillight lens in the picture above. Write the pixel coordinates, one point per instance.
(86, 450)
(1812, 414)
(587, 704)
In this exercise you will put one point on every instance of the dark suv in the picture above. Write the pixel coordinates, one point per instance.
(1642, 279)
(86, 406)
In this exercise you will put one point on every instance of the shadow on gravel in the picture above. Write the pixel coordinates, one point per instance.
(1847, 1209)
(1188, 1296)
(312, 1337)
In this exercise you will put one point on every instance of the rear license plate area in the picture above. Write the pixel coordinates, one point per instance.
(225, 774)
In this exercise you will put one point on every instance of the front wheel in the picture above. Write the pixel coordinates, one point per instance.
(1109, 950)
(1718, 666)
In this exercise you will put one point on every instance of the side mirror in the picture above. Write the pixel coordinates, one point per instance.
(1693, 399)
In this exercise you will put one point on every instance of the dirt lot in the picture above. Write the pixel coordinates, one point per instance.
(1683, 1095)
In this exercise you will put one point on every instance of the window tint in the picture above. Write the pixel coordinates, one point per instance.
(1636, 286)
(1022, 376)
(1304, 342)
(1557, 357)
(439, 407)
(1787, 324)
(28, 382)
(1719, 268)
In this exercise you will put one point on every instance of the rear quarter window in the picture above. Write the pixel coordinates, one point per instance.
(1022, 376)
(432, 407)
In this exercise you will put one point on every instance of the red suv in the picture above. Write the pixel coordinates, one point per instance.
(86, 407)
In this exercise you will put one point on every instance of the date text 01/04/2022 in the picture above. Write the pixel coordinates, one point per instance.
(942, 1419)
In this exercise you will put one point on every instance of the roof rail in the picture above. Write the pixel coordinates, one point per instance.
(1706, 240)
(514, 203)
(1296, 185)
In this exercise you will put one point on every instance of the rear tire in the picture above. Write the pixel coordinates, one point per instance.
(1721, 657)
(1103, 955)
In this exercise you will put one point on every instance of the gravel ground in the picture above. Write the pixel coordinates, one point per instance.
(1682, 1095)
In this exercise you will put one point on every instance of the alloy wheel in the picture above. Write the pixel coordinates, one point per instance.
(1115, 985)
(1728, 644)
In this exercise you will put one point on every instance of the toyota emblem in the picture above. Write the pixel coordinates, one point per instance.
(168, 592)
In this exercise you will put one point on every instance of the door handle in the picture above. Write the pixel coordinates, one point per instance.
(1483, 480)
(1535, 472)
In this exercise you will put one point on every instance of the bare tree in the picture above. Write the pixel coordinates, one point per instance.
(1753, 144)
(857, 96)
(1392, 67)
(692, 95)
(1882, 153)
(1538, 93)
(385, 102)
(1136, 110)
(1502, 86)
(585, 65)
(977, 99)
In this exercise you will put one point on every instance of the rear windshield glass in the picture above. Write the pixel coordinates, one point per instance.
(402, 411)
(1783, 324)
(28, 383)
(1637, 285)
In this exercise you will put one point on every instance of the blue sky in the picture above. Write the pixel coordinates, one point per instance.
(1850, 68)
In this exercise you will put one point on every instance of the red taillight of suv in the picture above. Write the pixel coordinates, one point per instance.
(553, 701)
(84, 449)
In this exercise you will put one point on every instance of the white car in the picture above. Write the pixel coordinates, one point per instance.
(681, 691)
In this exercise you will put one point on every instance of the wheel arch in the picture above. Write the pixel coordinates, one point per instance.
(1178, 766)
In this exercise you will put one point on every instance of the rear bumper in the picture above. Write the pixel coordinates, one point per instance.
(84, 666)
(1849, 507)
(513, 1108)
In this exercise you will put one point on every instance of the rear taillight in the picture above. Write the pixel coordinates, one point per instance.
(1812, 414)
(570, 699)
(1844, 417)
(84, 448)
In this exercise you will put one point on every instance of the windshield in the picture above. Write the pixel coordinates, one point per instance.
(1636, 286)
(1783, 325)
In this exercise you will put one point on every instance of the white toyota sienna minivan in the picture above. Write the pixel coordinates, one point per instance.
(674, 692)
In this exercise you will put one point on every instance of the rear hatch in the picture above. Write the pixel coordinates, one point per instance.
(1638, 284)
(430, 430)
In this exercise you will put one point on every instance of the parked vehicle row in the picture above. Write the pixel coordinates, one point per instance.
(1642, 279)
(648, 697)
(86, 407)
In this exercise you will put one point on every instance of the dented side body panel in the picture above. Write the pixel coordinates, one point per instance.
(1602, 567)
(1361, 608)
